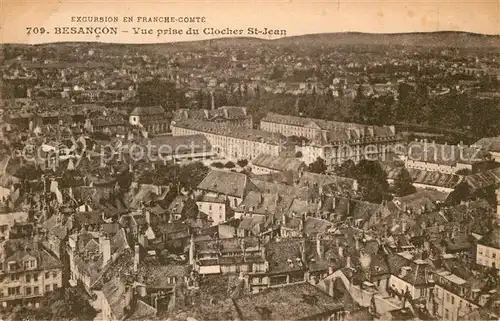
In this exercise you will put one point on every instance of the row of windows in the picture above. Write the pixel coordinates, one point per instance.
(28, 290)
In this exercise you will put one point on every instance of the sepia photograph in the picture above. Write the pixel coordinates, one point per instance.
(250, 160)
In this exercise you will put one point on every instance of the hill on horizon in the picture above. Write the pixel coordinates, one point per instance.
(456, 39)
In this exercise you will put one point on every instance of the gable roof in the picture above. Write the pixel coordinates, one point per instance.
(148, 111)
(278, 163)
(226, 183)
(290, 302)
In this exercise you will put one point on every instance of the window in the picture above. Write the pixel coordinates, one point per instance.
(14, 277)
(35, 277)
(28, 290)
(47, 288)
(452, 300)
(28, 278)
(54, 286)
(54, 274)
(446, 313)
(447, 297)
(36, 290)
(47, 275)
(210, 207)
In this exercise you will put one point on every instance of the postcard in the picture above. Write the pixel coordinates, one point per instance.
(250, 160)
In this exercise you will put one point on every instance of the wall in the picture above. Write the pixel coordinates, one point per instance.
(216, 211)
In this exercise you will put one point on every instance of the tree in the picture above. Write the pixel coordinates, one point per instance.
(242, 162)
(318, 166)
(192, 174)
(403, 184)
(217, 165)
(190, 210)
(229, 165)
(372, 179)
(347, 169)
(159, 92)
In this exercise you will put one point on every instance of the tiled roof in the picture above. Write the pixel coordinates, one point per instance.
(279, 163)
(279, 253)
(230, 131)
(249, 223)
(445, 154)
(417, 274)
(484, 179)
(430, 178)
(148, 110)
(291, 302)
(257, 202)
(115, 292)
(491, 144)
(226, 183)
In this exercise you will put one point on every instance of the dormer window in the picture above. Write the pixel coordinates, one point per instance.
(12, 266)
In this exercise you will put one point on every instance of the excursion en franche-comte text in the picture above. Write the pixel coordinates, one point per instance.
(185, 25)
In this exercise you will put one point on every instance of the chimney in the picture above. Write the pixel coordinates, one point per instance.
(331, 287)
(105, 244)
(191, 250)
(357, 243)
(341, 251)
(137, 257)
(348, 262)
(319, 248)
(147, 213)
(212, 99)
(303, 250)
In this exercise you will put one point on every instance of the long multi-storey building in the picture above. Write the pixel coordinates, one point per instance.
(235, 142)
(335, 142)
(448, 159)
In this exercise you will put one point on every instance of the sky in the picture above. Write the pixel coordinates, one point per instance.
(295, 17)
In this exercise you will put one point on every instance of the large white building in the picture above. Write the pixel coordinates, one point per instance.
(447, 159)
(233, 142)
(335, 142)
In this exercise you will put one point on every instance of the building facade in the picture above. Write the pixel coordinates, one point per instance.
(27, 275)
(235, 143)
(335, 142)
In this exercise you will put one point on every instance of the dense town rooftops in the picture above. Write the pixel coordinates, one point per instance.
(231, 131)
(424, 177)
(298, 301)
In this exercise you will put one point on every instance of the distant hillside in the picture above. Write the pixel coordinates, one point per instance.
(424, 39)
(433, 39)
